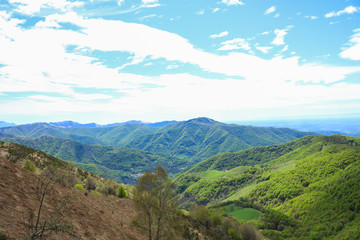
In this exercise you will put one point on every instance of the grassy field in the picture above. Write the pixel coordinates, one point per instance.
(243, 192)
(242, 213)
(214, 174)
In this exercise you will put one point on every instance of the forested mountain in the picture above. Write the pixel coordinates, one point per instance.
(201, 138)
(195, 139)
(43, 129)
(116, 134)
(306, 189)
(119, 163)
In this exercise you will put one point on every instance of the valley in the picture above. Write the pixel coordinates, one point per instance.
(284, 183)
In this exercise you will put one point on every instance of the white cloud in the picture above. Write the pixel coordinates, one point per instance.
(232, 2)
(147, 17)
(34, 6)
(120, 2)
(200, 12)
(264, 49)
(172, 66)
(353, 50)
(222, 34)
(285, 48)
(236, 43)
(280, 35)
(277, 15)
(152, 5)
(270, 10)
(311, 17)
(215, 10)
(347, 10)
(149, 1)
(36, 60)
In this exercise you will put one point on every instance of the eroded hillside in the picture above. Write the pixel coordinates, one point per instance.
(91, 216)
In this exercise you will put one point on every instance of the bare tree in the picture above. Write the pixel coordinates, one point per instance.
(40, 225)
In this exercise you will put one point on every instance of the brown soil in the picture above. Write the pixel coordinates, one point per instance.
(92, 216)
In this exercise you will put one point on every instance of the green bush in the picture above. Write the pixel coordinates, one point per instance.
(203, 215)
(108, 188)
(3, 236)
(78, 186)
(97, 193)
(122, 192)
(30, 166)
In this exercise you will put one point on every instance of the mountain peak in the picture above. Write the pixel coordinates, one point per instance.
(202, 120)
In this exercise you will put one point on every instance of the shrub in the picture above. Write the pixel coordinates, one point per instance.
(3, 236)
(90, 183)
(78, 186)
(97, 193)
(30, 166)
(202, 214)
(216, 220)
(121, 192)
(108, 188)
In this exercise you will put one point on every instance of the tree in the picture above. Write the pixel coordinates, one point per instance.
(40, 226)
(90, 183)
(155, 197)
(122, 192)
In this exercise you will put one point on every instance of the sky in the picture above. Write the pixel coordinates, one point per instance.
(111, 61)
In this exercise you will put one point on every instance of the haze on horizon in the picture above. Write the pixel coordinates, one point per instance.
(109, 61)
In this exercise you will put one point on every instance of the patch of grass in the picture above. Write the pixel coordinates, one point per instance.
(242, 213)
(212, 174)
(285, 166)
(243, 192)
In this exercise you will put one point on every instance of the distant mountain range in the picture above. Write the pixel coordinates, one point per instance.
(70, 124)
(6, 124)
(195, 139)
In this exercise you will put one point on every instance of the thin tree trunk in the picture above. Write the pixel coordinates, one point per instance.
(149, 223)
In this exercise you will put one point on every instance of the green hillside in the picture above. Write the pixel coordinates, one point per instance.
(19, 154)
(201, 138)
(196, 139)
(321, 193)
(120, 163)
(305, 189)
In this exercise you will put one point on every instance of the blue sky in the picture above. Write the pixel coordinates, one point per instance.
(115, 60)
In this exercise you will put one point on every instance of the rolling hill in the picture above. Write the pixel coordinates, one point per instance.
(201, 138)
(306, 189)
(117, 134)
(119, 163)
(195, 139)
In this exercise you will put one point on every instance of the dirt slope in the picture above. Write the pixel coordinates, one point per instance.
(92, 216)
